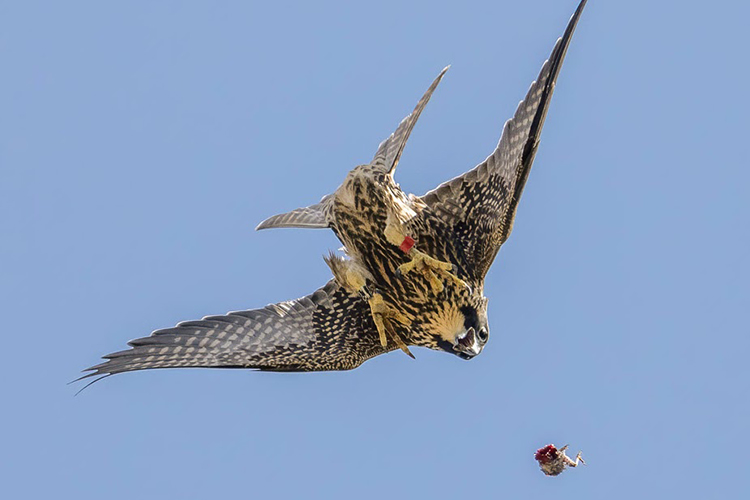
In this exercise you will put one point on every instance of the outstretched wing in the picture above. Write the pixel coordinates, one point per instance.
(328, 330)
(468, 218)
(389, 151)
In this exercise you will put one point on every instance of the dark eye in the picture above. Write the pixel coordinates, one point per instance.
(483, 334)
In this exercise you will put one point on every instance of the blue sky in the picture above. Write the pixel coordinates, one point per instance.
(141, 142)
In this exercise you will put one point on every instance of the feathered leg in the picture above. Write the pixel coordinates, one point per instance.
(353, 278)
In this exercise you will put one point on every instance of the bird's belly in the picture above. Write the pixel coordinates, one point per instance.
(361, 211)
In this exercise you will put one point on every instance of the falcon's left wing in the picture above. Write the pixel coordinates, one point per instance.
(467, 219)
(327, 330)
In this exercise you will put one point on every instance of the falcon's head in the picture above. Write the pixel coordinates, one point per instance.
(460, 327)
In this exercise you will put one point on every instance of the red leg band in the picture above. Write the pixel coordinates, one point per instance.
(407, 244)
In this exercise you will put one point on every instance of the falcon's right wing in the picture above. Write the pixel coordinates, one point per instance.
(468, 218)
(327, 330)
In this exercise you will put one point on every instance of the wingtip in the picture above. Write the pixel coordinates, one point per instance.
(577, 14)
(93, 373)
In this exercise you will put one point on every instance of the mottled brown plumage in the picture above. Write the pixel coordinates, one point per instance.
(462, 223)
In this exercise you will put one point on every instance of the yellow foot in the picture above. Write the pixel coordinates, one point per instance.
(431, 269)
(382, 314)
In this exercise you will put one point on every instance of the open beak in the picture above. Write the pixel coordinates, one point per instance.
(467, 344)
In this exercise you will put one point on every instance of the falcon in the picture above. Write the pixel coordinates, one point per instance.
(413, 270)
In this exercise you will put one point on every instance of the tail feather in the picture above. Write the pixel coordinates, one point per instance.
(389, 151)
(312, 217)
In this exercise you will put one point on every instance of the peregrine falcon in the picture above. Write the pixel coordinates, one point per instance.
(413, 271)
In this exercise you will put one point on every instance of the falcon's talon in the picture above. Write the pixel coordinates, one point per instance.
(400, 343)
(430, 269)
(381, 312)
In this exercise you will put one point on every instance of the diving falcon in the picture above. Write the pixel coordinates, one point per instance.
(413, 270)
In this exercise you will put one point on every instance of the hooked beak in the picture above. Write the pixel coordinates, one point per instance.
(467, 344)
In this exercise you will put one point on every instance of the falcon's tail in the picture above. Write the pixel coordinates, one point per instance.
(312, 217)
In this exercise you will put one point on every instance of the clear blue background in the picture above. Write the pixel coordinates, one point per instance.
(140, 143)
